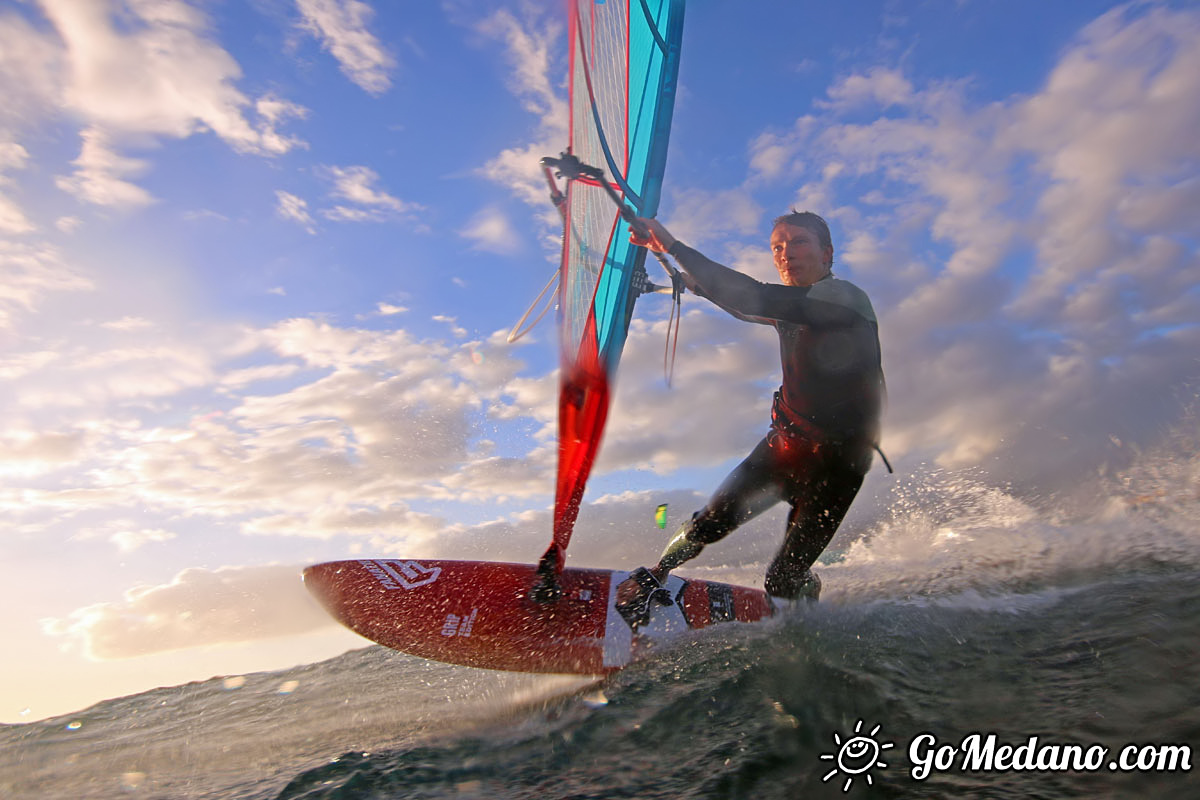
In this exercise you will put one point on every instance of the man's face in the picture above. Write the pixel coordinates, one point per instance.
(799, 256)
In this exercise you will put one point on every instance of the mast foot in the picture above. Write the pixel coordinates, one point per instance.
(546, 589)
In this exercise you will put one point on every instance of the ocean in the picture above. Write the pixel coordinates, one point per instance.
(971, 645)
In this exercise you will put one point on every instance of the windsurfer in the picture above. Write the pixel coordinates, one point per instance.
(825, 418)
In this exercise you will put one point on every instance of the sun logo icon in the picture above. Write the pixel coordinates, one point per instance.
(856, 756)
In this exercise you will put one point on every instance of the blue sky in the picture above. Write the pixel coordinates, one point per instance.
(257, 263)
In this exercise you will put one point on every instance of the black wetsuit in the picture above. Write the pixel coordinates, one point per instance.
(825, 420)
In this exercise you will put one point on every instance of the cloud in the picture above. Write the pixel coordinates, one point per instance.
(356, 186)
(772, 154)
(131, 72)
(12, 217)
(294, 209)
(198, 608)
(30, 63)
(531, 52)
(129, 539)
(721, 366)
(341, 26)
(396, 527)
(329, 432)
(158, 72)
(27, 452)
(879, 87)
(100, 175)
(18, 366)
(240, 378)
(355, 195)
(68, 225)
(1113, 132)
(28, 272)
(493, 232)
(126, 534)
(138, 372)
(128, 323)
(703, 216)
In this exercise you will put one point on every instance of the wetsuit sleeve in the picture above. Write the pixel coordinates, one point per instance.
(827, 303)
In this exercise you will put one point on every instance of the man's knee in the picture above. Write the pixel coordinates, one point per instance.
(710, 525)
(790, 579)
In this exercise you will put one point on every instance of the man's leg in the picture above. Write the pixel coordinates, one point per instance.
(818, 507)
(749, 490)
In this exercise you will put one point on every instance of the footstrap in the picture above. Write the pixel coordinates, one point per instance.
(637, 611)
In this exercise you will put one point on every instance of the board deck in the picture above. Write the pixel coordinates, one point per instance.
(478, 614)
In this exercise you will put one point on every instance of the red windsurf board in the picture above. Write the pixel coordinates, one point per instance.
(478, 613)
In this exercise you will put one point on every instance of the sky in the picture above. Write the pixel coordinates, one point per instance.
(258, 262)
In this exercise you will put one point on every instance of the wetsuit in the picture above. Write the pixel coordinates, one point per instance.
(824, 422)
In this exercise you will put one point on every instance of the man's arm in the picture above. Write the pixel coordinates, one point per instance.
(702, 276)
(834, 304)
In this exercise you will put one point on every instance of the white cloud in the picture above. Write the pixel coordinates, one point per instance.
(12, 218)
(19, 365)
(721, 369)
(293, 208)
(493, 232)
(135, 538)
(100, 175)
(530, 52)
(27, 273)
(240, 378)
(158, 72)
(357, 185)
(772, 154)
(880, 87)
(328, 434)
(1114, 132)
(140, 371)
(703, 216)
(126, 534)
(395, 527)
(342, 27)
(68, 225)
(30, 63)
(129, 323)
(130, 72)
(28, 452)
(198, 608)
(452, 322)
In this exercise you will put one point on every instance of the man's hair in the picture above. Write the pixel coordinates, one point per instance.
(809, 220)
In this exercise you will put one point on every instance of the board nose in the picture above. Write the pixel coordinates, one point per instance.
(325, 583)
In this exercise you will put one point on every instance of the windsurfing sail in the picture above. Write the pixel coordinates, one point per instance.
(624, 63)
